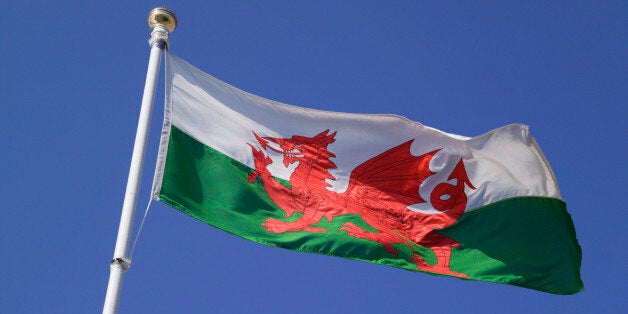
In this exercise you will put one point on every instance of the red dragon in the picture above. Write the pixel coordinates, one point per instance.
(379, 190)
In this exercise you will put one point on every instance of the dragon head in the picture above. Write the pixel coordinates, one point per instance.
(299, 148)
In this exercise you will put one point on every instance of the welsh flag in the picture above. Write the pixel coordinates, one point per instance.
(376, 188)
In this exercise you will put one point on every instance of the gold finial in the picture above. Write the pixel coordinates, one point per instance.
(162, 16)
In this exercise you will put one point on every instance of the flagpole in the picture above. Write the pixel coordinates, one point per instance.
(162, 22)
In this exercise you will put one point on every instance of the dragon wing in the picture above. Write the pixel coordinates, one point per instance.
(390, 180)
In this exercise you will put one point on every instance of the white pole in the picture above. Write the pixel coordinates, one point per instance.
(162, 21)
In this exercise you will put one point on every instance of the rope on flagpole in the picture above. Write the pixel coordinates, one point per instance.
(139, 231)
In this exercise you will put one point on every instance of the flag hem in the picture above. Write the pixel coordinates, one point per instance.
(165, 133)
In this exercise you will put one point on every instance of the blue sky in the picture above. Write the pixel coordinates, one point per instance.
(71, 86)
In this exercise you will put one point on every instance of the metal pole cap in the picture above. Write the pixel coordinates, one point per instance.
(162, 16)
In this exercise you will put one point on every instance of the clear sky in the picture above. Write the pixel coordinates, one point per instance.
(71, 85)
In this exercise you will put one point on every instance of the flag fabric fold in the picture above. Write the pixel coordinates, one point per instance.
(376, 188)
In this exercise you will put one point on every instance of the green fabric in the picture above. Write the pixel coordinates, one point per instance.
(527, 241)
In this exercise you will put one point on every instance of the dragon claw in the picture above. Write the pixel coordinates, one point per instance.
(261, 161)
(357, 232)
(252, 176)
(253, 149)
(441, 267)
(353, 230)
(391, 249)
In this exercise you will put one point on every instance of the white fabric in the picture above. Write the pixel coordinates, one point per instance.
(501, 164)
